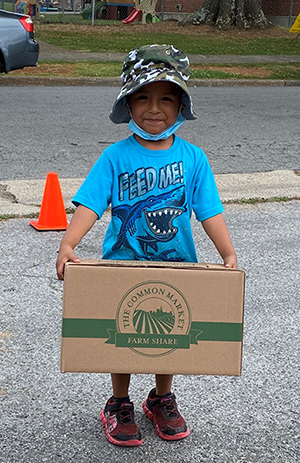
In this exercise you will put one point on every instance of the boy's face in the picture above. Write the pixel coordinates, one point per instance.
(155, 106)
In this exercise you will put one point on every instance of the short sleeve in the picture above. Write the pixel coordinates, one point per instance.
(95, 192)
(206, 201)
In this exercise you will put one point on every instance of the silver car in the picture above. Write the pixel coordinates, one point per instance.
(17, 45)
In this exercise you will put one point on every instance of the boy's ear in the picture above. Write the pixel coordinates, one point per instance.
(181, 107)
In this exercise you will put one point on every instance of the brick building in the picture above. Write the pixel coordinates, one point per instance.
(179, 6)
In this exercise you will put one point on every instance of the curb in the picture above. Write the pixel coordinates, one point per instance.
(23, 197)
(14, 81)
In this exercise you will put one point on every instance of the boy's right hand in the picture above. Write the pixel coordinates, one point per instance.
(82, 221)
(65, 255)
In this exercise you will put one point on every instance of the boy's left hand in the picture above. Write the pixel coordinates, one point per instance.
(231, 262)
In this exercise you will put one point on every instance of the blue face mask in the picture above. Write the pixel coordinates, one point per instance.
(161, 136)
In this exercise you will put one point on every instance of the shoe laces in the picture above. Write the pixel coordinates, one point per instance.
(170, 406)
(126, 413)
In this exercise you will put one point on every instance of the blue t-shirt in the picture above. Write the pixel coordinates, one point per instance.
(152, 195)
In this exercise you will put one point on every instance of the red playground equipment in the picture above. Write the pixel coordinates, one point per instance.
(144, 11)
(135, 14)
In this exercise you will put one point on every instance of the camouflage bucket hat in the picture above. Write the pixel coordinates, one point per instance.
(148, 64)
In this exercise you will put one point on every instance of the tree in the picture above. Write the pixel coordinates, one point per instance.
(226, 13)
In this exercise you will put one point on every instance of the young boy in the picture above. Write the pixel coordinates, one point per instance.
(153, 180)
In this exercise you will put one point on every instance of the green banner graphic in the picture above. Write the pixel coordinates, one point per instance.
(88, 328)
(216, 331)
(107, 329)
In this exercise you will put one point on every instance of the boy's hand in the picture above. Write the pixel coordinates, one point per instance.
(64, 255)
(231, 262)
(82, 221)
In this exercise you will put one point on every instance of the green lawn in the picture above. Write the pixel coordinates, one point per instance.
(119, 41)
(284, 71)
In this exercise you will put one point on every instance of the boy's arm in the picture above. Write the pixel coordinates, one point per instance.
(216, 229)
(82, 221)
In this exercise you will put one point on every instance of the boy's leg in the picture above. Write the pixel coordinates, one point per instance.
(120, 385)
(118, 415)
(163, 384)
(161, 408)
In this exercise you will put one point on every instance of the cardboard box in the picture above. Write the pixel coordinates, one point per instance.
(152, 317)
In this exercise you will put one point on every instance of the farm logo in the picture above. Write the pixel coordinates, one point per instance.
(153, 319)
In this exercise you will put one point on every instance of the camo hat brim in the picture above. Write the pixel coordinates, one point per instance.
(153, 63)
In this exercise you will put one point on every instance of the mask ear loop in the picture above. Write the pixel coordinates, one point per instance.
(128, 109)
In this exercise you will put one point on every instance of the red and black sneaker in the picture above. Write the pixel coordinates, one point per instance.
(164, 413)
(120, 427)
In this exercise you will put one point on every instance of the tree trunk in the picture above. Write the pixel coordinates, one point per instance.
(224, 19)
(254, 13)
(226, 13)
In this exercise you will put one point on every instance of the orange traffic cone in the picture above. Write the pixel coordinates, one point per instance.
(52, 214)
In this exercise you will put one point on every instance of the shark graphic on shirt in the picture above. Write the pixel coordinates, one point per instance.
(158, 215)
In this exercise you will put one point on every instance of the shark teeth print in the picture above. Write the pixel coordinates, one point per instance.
(160, 221)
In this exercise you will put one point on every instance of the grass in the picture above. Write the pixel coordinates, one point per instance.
(285, 71)
(74, 69)
(6, 217)
(253, 201)
(7, 6)
(120, 40)
(113, 68)
(75, 19)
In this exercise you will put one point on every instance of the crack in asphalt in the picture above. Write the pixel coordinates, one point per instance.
(7, 195)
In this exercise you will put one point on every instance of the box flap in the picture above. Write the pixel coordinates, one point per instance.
(151, 264)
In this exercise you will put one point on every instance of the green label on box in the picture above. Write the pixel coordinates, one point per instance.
(106, 329)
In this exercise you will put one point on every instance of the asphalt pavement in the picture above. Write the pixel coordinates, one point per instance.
(51, 417)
